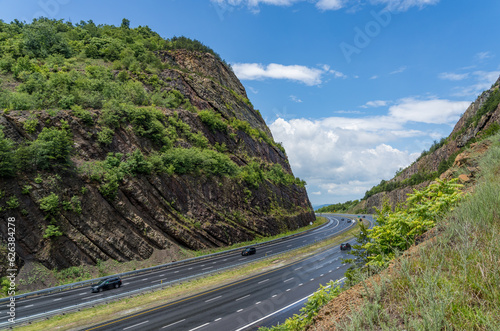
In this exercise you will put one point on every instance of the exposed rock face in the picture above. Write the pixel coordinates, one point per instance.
(462, 134)
(159, 210)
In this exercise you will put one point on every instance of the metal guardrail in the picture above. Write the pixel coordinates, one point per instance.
(154, 287)
(145, 270)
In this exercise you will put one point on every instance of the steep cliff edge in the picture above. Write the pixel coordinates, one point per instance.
(116, 156)
(480, 120)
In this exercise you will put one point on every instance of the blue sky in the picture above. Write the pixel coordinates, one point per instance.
(355, 89)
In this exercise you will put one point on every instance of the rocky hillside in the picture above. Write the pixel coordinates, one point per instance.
(481, 120)
(116, 143)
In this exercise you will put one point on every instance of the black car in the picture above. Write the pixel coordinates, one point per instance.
(106, 284)
(345, 247)
(249, 251)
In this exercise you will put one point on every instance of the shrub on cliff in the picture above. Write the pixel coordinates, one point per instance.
(7, 161)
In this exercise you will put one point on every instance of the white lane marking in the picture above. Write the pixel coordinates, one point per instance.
(158, 280)
(57, 299)
(301, 284)
(190, 268)
(321, 275)
(126, 283)
(220, 296)
(246, 296)
(224, 260)
(166, 326)
(312, 279)
(82, 293)
(206, 268)
(214, 262)
(202, 265)
(239, 310)
(218, 319)
(338, 267)
(287, 290)
(289, 279)
(274, 296)
(289, 246)
(198, 327)
(176, 272)
(263, 281)
(162, 275)
(133, 326)
(277, 311)
(145, 279)
(27, 306)
(329, 271)
(269, 251)
(257, 302)
(97, 295)
(297, 268)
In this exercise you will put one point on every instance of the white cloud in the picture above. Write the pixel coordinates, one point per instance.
(295, 98)
(482, 81)
(330, 4)
(434, 111)
(375, 104)
(404, 5)
(395, 5)
(399, 70)
(257, 71)
(481, 56)
(333, 153)
(374, 77)
(453, 76)
(337, 74)
(344, 157)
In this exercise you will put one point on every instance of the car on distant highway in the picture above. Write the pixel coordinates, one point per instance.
(345, 247)
(248, 251)
(106, 284)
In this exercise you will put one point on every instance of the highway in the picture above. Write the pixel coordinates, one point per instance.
(32, 308)
(261, 300)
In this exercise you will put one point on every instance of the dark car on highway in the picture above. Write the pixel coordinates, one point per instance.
(249, 251)
(106, 284)
(345, 247)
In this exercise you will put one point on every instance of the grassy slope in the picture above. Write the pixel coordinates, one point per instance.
(450, 282)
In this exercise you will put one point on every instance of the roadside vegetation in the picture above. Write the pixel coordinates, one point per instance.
(449, 282)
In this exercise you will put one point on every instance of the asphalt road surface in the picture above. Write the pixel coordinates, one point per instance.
(224, 301)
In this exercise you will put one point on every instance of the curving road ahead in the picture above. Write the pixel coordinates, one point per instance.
(42, 306)
(261, 300)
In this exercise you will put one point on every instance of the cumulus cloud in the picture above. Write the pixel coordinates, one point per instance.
(333, 153)
(344, 157)
(435, 111)
(303, 74)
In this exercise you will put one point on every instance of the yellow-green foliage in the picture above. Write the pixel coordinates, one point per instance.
(311, 308)
(396, 231)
